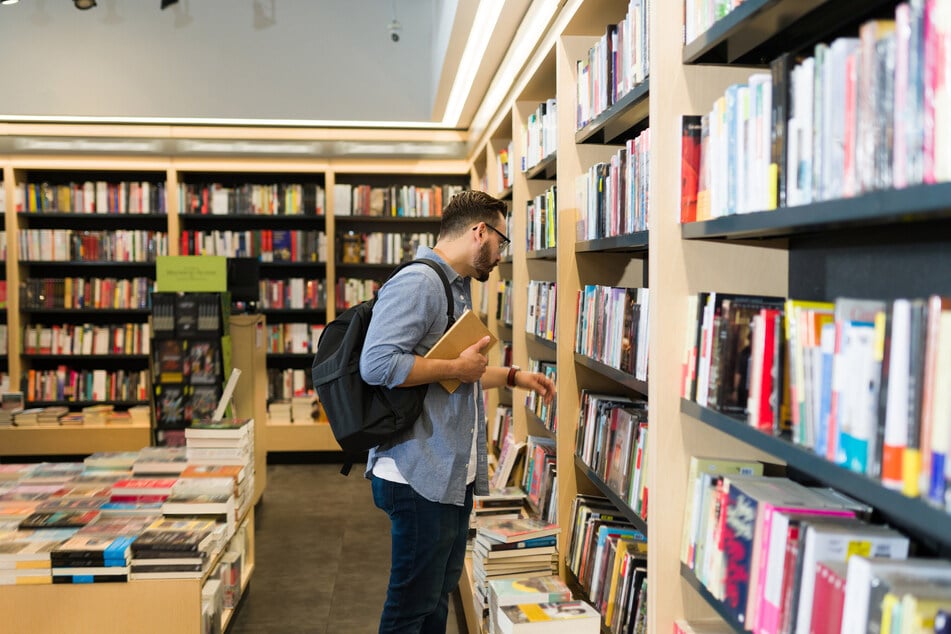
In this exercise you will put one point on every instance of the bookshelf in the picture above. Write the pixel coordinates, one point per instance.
(175, 174)
(883, 244)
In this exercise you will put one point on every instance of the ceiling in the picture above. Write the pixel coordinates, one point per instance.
(308, 62)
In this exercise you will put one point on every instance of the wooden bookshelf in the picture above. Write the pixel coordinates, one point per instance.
(72, 441)
(300, 437)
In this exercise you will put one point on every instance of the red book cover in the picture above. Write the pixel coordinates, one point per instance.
(689, 167)
(829, 598)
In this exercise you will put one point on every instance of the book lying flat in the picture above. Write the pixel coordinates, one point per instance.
(467, 330)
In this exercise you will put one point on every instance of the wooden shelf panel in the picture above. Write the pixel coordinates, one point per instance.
(544, 170)
(542, 254)
(929, 525)
(757, 31)
(81, 439)
(622, 121)
(79, 404)
(548, 343)
(300, 437)
(630, 514)
(633, 243)
(621, 378)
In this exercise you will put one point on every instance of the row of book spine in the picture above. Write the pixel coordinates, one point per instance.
(861, 114)
(381, 248)
(67, 245)
(608, 557)
(293, 338)
(611, 439)
(612, 327)
(351, 291)
(85, 293)
(276, 199)
(541, 315)
(268, 245)
(540, 477)
(863, 383)
(92, 197)
(294, 292)
(614, 196)
(72, 384)
(540, 134)
(503, 167)
(782, 557)
(617, 63)
(77, 339)
(542, 221)
(287, 384)
(547, 413)
(394, 201)
(504, 311)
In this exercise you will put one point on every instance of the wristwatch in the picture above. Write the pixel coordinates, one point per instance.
(510, 379)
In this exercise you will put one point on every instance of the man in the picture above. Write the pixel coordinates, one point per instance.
(425, 479)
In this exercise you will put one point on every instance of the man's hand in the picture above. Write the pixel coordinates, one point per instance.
(537, 382)
(471, 363)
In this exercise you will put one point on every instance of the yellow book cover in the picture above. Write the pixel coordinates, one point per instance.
(467, 330)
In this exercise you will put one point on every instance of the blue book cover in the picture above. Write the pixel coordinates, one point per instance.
(738, 551)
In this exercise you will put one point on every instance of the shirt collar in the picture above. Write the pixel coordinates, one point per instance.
(426, 252)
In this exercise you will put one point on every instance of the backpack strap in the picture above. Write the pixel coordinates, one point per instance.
(450, 304)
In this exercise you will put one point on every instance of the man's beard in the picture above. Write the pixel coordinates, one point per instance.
(483, 264)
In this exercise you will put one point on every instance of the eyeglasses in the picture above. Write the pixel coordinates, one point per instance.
(503, 239)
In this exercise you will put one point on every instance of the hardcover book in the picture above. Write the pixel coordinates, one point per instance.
(467, 330)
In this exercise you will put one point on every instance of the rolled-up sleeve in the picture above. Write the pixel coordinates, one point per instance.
(403, 316)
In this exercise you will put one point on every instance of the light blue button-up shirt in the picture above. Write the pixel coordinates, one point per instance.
(409, 317)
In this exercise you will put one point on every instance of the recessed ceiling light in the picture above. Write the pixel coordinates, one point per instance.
(82, 5)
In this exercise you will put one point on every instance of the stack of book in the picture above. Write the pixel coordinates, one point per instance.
(224, 443)
(500, 504)
(568, 617)
(142, 489)
(99, 552)
(174, 549)
(140, 415)
(523, 591)
(160, 462)
(111, 461)
(25, 558)
(10, 404)
(512, 548)
(51, 416)
(209, 498)
(279, 412)
(97, 414)
(27, 417)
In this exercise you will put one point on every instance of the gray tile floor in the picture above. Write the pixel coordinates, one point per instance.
(322, 553)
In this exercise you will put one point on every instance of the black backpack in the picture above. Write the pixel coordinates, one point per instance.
(361, 415)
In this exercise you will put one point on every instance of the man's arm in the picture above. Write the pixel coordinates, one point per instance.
(496, 376)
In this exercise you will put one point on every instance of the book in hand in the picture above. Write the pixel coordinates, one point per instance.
(516, 530)
(467, 330)
(574, 617)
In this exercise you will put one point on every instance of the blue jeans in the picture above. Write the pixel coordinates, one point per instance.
(429, 550)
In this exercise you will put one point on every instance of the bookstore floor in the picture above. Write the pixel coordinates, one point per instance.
(322, 556)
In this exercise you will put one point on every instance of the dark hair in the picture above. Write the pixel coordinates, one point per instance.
(468, 208)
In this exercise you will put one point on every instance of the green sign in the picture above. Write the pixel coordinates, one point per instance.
(194, 273)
